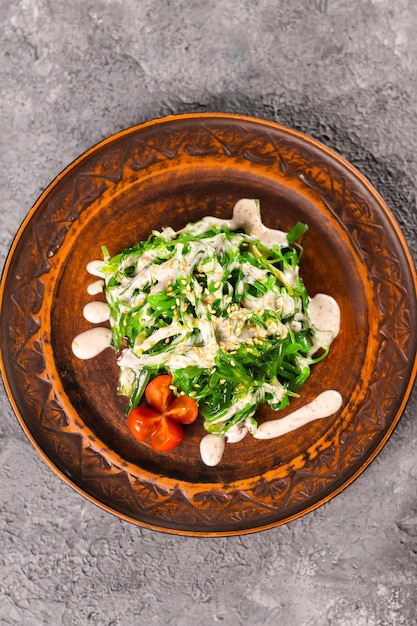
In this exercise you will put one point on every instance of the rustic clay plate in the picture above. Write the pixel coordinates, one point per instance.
(170, 172)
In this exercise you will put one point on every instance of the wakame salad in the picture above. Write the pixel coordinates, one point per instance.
(221, 310)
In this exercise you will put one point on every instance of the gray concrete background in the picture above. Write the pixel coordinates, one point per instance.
(72, 73)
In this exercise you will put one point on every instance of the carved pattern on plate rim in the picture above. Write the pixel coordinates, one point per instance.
(267, 498)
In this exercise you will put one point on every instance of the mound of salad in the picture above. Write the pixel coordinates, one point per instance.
(220, 313)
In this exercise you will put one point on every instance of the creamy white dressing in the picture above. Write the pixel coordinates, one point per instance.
(277, 391)
(93, 268)
(212, 449)
(240, 404)
(236, 433)
(247, 215)
(325, 405)
(324, 313)
(90, 343)
(253, 273)
(159, 335)
(96, 287)
(96, 312)
(203, 357)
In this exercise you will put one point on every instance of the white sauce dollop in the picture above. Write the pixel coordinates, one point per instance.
(93, 268)
(96, 287)
(247, 215)
(323, 406)
(96, 312)
(91, 342)
(324, 314)
(211, 449)
(236, 433)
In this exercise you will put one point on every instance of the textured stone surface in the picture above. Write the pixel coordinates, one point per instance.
(73, 73)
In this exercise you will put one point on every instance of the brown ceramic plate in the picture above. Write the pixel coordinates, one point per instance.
(170, 172)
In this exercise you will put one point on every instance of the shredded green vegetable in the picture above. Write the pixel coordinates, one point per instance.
(223, 313)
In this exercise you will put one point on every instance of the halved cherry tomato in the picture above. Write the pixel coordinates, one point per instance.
(158, 393)
(183, 410)
(161, 422)
(167, 435)
(142, 422)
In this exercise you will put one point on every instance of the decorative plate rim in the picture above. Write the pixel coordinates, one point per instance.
(236, 498)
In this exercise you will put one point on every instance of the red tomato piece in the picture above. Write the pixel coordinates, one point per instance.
(183, 410)
(142, 422)
(158, 393)
(167, 435)
(161, 422)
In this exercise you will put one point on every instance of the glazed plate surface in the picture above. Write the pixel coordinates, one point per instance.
(166, 173)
